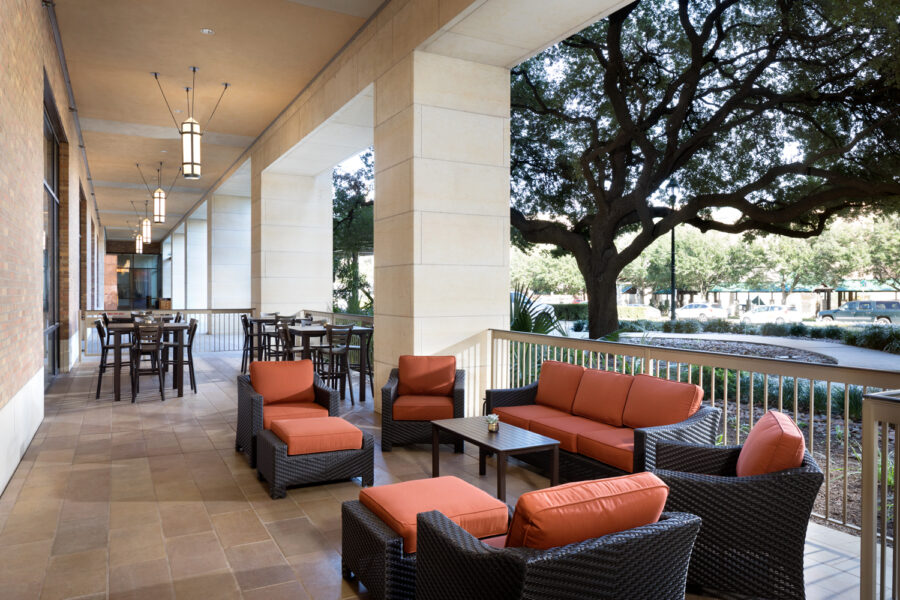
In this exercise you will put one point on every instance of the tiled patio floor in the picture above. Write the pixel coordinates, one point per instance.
(115, 500)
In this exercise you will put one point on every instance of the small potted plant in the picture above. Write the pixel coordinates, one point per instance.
(493, 422)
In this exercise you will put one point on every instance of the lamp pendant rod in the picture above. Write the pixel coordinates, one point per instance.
(224, 89)
(159, 85)
(159, 175)
(187, 93)
(143, 178)
(194, 88)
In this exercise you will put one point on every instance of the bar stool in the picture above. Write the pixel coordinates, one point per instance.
(147, 343)
(188, 359)
(247, 350)
(334, 365)
(355, 351)
(103, 335)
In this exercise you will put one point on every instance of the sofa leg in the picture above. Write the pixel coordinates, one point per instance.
(385, 446)
(276, 492)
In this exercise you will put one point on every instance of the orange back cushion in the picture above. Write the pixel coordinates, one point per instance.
(774, 444)
(557, 384)
(426, 375)
(601, 396)
(584, 510)
(285, 381)
(653, 401)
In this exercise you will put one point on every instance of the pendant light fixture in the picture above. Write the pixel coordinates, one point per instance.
(190, 130)
(160, 195)
(139, 244)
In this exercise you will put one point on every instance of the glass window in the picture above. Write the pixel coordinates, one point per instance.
(50, 243)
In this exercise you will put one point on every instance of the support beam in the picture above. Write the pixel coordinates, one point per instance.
(442, 205)
(229, 251)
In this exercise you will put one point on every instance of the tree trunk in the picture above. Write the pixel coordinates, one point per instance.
(603, 317)
(353, 285)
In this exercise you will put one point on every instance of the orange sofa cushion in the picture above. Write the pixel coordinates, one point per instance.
(601, 396)
(565, 429)
(584, 510)
(397, 505)
(774, 444)
(283, 381)
(653, 401)
(613, 446)
(557, 384)
(521, 416)
(294, 410)
(422, 408)
(426, 375)
(310, 436)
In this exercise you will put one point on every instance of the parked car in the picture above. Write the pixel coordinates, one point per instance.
(775, 313)
(702, 311)
(864, 311)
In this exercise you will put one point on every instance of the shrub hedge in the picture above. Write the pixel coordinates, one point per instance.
(876, 337)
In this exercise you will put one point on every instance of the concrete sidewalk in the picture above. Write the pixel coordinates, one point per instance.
(847, 356)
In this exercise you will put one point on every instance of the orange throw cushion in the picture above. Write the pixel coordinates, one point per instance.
(397, 505)
(565, 429)
(613, 446)
(310, 436)
(295, 410)
(601, 396)
(521, 416)
(774, 444)
(426, 375)
(422, 408)
(584, 510)
(283, 381)
(653, 401)
(557, 384)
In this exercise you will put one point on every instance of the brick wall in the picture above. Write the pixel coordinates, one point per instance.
(28, 50)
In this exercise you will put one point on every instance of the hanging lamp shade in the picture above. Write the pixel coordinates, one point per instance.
(190, 148)
(146, 230)
(139, 244)
(159, 206)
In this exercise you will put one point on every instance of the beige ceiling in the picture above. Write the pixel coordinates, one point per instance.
(268, 50)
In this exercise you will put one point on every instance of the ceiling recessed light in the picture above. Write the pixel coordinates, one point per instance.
(163, 151)
(207, 31)
(177, 111)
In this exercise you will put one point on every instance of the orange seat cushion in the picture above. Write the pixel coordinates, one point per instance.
(426, 375)
(565, 429)
(521, 416)
(397, 505)
(296, 410)
(613, 446)
(422, 408)
(584, 510)
(653, 401)
(313, 435)
(557, 384)
(774, 444)
(283, 381)
(601, 396)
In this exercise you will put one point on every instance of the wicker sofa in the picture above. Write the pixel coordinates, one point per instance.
(608, 423)
(255, 412)
(740, 551)
(427, 388)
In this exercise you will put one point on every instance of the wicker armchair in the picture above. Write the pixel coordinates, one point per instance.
(701, 428)
(250, 413)
(754, 528)
(412, 432)
(645, 562)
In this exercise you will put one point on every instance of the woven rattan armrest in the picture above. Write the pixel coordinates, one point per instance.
(699, 428)
(510, 397)
(688, 457)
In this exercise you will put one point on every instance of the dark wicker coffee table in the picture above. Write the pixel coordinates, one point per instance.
(508, 441)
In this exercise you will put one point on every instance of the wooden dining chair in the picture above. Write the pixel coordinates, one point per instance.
(247, 350)
(333, 357)
(355, 359)
(147, 344)
(188, 358)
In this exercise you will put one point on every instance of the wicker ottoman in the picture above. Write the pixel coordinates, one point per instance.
(311, 450)
(378, 531)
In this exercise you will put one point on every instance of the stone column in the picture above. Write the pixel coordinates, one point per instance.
(229, 251)
(442, 205)
(291, 246)
(196, 278)
(178, 269)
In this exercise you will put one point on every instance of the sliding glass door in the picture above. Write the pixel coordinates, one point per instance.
(51, 251)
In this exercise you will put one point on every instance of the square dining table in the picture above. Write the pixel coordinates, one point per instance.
(175, 329)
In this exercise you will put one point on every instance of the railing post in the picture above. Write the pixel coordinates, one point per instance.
(878, 408)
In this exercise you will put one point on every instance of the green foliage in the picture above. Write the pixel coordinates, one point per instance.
(527, 315)
(651, 119)
(545, 273)
(353, 234)
(571, 312)
(580, 325)
(682, 326)
(884, 251)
